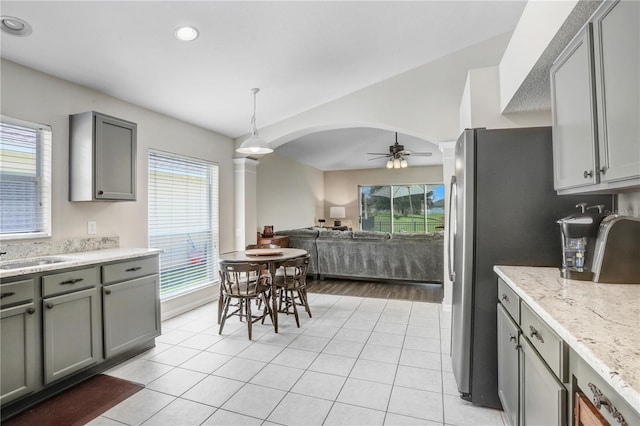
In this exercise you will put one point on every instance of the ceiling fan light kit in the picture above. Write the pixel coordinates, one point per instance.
(254, 144)
(395, 157)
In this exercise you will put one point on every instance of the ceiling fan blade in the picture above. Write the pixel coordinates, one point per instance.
(377, 158)
(420, 154)
(377, 153)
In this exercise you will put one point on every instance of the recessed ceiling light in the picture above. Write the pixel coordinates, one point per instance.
(14, 26)
(187, 33)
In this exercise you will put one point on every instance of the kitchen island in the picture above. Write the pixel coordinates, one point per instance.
(598, 322)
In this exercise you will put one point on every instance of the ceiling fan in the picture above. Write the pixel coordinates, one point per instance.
(396, 155)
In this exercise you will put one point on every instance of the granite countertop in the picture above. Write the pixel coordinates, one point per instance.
(598, 321)
(72, 260)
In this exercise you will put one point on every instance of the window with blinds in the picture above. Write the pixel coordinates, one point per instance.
(25, 179)
(183, 221)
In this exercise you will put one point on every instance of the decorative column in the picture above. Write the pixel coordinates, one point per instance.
(246, 211)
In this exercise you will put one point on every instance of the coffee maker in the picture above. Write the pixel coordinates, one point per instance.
(579, 234)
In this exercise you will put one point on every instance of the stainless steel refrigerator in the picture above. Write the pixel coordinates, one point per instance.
(503, 211)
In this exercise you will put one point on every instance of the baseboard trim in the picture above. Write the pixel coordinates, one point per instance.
(184, 303)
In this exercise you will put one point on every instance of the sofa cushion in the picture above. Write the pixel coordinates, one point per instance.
(329, 233)
(300, 232)
(371, 235)
(431, 236)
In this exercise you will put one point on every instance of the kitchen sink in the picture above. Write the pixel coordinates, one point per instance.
(27, 263)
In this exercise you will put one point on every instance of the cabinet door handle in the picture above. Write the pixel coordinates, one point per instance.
(506, 298)
(71, 282)
(135, 268)
(31, 311)
(49, 305)
(536, 333)
(107, 292)
(588, 174)
(599, 400)
(100, 192)
(7, 294)
(512, 338)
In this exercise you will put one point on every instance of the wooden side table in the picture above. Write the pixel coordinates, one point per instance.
(279, 240)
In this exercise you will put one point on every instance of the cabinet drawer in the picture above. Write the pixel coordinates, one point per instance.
(549, 345)
(613, 407)
(16, 292)
(509, 300)
(128, 270)
(65, 282)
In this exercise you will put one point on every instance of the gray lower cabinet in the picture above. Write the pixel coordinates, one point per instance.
(71, 328)
(543, 396)
(532, 361)
(131, 314)
(508, 366)
(18, 351)
(59, 327)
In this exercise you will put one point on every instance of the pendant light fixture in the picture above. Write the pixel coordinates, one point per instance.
(254, 145)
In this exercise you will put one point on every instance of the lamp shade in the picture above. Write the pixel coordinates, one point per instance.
(254, 145)
(337, 212)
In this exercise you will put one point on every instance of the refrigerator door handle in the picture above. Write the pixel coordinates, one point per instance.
(450, 230)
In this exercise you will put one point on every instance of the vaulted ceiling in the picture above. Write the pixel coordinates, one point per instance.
(301, 54)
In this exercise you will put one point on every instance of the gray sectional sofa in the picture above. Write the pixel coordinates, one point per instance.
(371, 255)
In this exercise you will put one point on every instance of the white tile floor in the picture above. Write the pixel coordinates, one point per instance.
(358, 361)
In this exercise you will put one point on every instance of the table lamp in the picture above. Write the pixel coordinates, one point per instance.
(337, 213)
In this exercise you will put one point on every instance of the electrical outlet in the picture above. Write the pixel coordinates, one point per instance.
(91, 228)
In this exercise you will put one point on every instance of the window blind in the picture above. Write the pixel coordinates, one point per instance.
(25, 179)
(183, 221)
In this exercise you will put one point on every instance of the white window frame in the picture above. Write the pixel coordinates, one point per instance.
(173, 260)
(392, 188)
(42, 178)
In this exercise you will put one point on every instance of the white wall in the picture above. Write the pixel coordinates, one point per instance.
(341, 187)
(290, 194)
(538, 25)
(423, 102)
(480, 104)
(33, 96)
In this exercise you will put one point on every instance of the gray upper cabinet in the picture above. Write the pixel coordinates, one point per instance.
(616, 34)
(596, 104)
(102, 157)
(573, 115)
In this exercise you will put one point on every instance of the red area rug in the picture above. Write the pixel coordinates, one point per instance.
(79, 404)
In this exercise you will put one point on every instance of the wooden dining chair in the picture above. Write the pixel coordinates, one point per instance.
(291, 282)
(243, 283)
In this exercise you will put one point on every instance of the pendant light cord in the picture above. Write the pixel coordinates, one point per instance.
(253, 119)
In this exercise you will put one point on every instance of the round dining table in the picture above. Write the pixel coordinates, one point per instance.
(273, 258)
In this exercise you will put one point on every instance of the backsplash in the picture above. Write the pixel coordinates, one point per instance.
(629, 203)
(24, 249)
